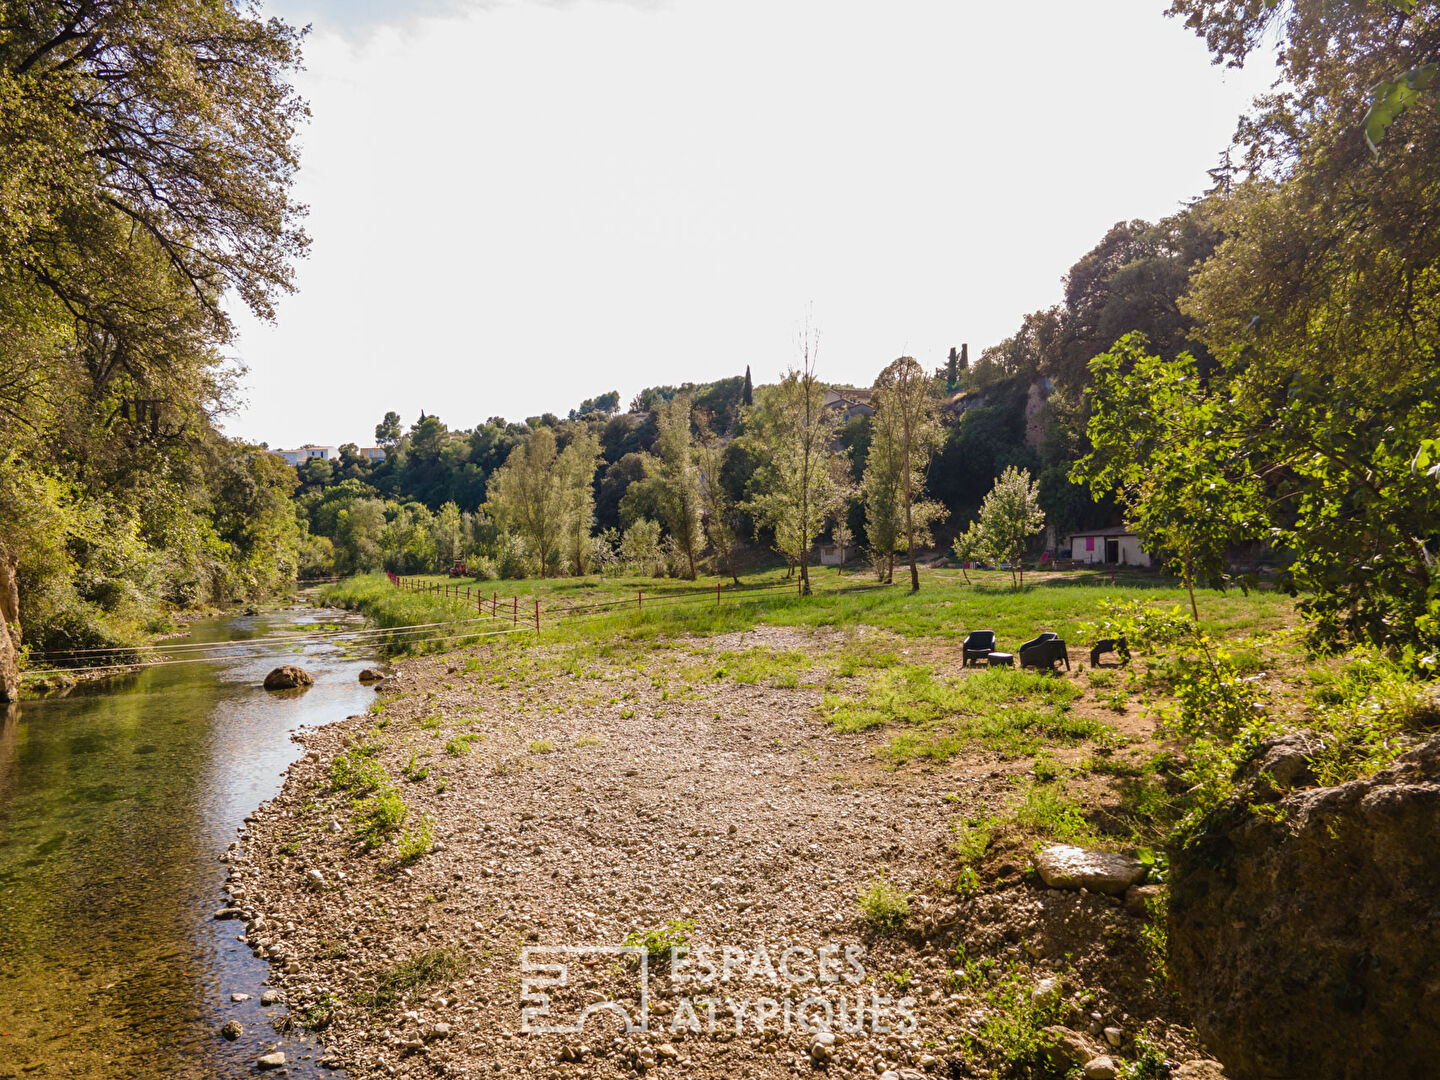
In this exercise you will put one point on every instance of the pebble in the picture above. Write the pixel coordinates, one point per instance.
(272, 1061)
(270, 997)
(239, 997)
(232, 1030)
(1101, 1068)
(1114, 1036)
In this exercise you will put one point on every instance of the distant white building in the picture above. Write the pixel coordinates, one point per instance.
(308, 452)
(1116, 545)
(834, 554)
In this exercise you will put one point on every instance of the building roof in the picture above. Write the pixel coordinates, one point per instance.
(1109, 530)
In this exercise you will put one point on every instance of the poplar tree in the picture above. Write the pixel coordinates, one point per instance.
(906, 434)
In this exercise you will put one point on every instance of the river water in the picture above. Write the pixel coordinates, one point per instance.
(114, 804)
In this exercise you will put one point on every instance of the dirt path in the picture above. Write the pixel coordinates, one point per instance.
(596, 794)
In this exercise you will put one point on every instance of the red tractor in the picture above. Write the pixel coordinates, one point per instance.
(459, 570)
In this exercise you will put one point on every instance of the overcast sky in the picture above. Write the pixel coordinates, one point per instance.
(518, 204)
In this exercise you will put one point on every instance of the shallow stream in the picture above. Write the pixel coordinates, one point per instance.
(115, 802)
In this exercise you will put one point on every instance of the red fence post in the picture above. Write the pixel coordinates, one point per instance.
(515, 612)
(537, 614)
(640, 601)
(717, 594)
(494, 604)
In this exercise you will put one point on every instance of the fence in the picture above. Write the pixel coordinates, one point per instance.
(533, 616)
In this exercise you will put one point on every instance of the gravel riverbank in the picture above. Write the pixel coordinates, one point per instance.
(651, 792)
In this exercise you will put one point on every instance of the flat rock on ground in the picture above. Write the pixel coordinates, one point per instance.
(1064, 866)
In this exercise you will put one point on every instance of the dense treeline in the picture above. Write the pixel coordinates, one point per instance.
(146, 153)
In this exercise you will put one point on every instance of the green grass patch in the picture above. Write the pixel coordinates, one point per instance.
(1013, 713)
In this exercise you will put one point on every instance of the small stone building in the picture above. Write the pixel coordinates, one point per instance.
(1117, 546)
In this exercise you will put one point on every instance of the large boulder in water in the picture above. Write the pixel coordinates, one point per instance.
(1306, 938)
(288, 677)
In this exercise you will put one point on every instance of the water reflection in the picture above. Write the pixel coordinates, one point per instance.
(114, 803)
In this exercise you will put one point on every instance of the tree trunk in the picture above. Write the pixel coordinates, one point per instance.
(1194, 609)
(9, 631)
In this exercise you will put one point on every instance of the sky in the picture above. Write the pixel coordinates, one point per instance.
(519, 204)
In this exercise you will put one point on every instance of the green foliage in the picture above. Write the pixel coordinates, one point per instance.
(972, 839)
(1010, 516)
(1167, 447)
(379, 816)
(658, 944)
(1047, 810)
(417, 842)
(883, 907)
(1010, 1032)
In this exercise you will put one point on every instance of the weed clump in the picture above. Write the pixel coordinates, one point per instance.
(882, 905)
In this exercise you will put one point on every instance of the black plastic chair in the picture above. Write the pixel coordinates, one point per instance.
(978, 645)
(1044, 651)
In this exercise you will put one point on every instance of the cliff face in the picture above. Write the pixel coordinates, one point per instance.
(9, 632)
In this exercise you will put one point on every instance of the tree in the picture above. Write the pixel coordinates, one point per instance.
(575, 473)
(1183, 474)
(719, 509)
(804, 481)
(527, 498)
(1009, 517)
(1322, 305)
(449, 536)
(969, 547)
(604, 404)
(672, 479)
(906, 434)
(748, 396)
(388, 431)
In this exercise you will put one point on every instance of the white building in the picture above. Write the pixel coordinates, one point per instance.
(1116, 545)
(308, 452)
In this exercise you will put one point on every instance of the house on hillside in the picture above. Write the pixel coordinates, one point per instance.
(1116, 545)
(373, 453)
(832, 554)
(308, 452)
(850, 403)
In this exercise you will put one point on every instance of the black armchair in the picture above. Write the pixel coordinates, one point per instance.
(1044, 651)
(978, 645)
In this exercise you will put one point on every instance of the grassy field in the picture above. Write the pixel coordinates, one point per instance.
(945, 609)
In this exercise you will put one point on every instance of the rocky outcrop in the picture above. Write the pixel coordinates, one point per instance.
(288, 677)
(372, 675)
(1306, 938)
(9, 631)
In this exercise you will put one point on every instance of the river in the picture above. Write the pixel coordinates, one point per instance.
(115, 802)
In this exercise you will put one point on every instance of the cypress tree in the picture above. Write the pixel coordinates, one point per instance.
(746, 398)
